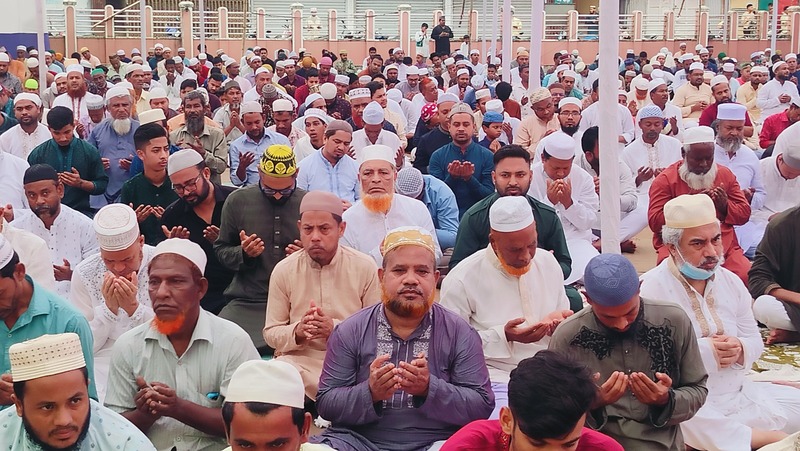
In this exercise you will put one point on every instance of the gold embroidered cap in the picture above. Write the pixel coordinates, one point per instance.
(278, 161)
(46, 356)
(408, 236)
(689, 210)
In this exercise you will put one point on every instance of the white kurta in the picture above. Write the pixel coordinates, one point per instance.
(303, 148)
(71, 237)
(18, 143)
(366, 230)
(669, 111)
(577, 137)
(745, 166)
(638, 154)
(734, 404)
(577, 220)
(591, 117)
(32, 252)
(782, 194)
(387, 138)
(768, 95)
(107, 326)
(632, 218)
(490, 301)
(12, 168)
(77, 105)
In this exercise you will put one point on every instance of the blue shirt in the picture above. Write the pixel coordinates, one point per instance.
(48, 314)
(318, 174)
(244, 144)
(441, 202)
(114, 147)
(480, 185)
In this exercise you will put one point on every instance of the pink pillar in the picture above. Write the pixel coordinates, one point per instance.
(148, 17)
(669, 26)
(332, 25)
(297, 26)
(261, 24)
(794, 19)
(222, 13)
(370, 15)
(404, 13)
(702, 28)
(473, 30)
(108, 25)
(187, 40)
(638, 19)
(763, 25)
(733, 26)
(71, 41)
(572, 25)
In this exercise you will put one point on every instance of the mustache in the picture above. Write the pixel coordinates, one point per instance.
(410, 289)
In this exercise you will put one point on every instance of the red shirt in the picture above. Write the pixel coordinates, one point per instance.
(512, 108)
(487, 435)
(710, 114)
(771, 128)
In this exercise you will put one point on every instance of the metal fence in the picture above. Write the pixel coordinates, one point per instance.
(128, 24)
(351, 28)
(686, 26)
(654, 27)
(387, 26)
(555, 27)
(167, 24)
(718, 25)
(85, 19)
(315, 28)
(56, 21)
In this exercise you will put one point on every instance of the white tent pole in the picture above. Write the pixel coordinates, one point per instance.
(608, 124)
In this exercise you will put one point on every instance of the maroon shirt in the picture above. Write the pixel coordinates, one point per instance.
(709, 115)
(487, 435)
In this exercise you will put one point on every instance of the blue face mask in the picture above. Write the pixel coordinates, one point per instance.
(695, 273)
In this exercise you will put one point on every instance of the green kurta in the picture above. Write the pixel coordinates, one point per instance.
(140, 191)
(249, 210)
(80, 155)
(660, 340)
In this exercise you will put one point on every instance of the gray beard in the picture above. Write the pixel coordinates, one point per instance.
(121, 126)
(731, 145)
(698, 181)
(195, 125)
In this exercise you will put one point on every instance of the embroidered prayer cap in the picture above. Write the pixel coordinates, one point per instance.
(94, 102)
(540, 94)
(46, 355)
(651, 111)
(339, 125)
(408, 236)
(510, 214)
(278, 161)
(698, 135)
(282, 105)
(373, 114)
(183, 159)
(31, 63)
(157, 93)
(580, 67)
(610, 280)
(687, 57)
(317, 113)
(483, 94)
(152, 115)
(655, 83)
(376, 152)
(492, 117)
(428, 111)
(116, 227)
(561, 68)
(560, 145)
(28, 96)
(263, 70)
(342, 80)
(460, 108)
(187, 249)
(409, 182)
(696, 66)
(446, 97)
(570, 101)
(250, 107)
(359, 93)
(718, 79)
(6, 252)
(364, 79)
(327, 91)
(270, 382)
(731, 111)
(759, 70)
(312, 98)
(689, 210)
(461, 72)
(321, 201)
(641, 84)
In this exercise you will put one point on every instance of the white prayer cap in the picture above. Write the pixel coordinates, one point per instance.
(282, 105)
(250, 107)
(449, 61)
(229, 61)
(28, 96)
(157, 93)
(651, 111)
(376, 152)
(482, 94)
(94, 102)
(640, 84)
(655, 83)
(187, 249)
(731, 112)
(289, 62)
(728, 67)
(395, 94)
(787, 145)
(759, 70)
(687, 57)
(560, 145)
(698, 135)
(777, 65)
(682, 44)
(703, 51)
(31, 62)
(4, 58)
(718, 79)
(359, 93)
(46, 355)
(194, 61)
(86, 64)
(622, 92)
(313, 98)
(152, 115)
(117, 91)
(461, 72)
(158, 45)
(790, 56)
(561, 67)
(477, 82)
(181, 49)
(74, 68)
(412, 70)
(6, 252)
(767, 50)
(446, 97)
(570, 101)
(364, 79)
(423, 72)
(474, 52)
(630, 73)
(202, 56)
(696, 66)
(136, 51)
(755, 54)
(698, 47)
(21, 47)
(183, 159)
(271, 382)
(495, 105)
(409, 182)
(328, 91)
(58, 76)
(116, 227)
(510, 214)
(258, 58)
(344, 80)
(373, 114)
(570, 73)
(263, 70)
(392, 66)
(317, 113)
(177, 60)
(689, 210)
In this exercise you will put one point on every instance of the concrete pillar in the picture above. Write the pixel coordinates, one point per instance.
(702, 28)
(187, 40)
(332, 25)
(733, 27)
(794, 20)
(261, 24)
(108, 25)
(297, 25)
(370, 26)
(148, 17)
(404, 14)
(763, 25)
(473, 30)
(222, 21)
(669, 26)
(638, 19)
(572, 25)
(544, 28)
(71, 39)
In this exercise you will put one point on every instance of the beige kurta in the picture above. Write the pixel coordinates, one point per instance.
(340, 289)
(532, 130)
(688, 95)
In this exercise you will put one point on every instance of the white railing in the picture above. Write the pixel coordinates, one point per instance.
(589, 26)
(316, 30)
(556, 27)
(128, 24)
(166, 24)
(686, 26)
(56, 21)
(351, 28)
(717, 26)
(653, 27)
(277, 26)
(626, 27)
(85, 19)
(387, 27)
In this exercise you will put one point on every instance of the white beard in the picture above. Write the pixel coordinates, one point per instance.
(730, 145)
(698, 181)
(121, 126)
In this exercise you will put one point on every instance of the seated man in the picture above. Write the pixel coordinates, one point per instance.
(567, 188)
(405, 373)
(549, 400)
(110, 287)
(264, 408)
(781, 177)
(32, 252)
(439, 199)
(169, 377)
(519, 298)
(651, 374)
(698, 173)
(51, 371)
(331, 169)
(738, 414)
(315, 288)
(380, 209)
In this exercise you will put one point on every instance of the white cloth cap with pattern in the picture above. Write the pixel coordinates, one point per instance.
(46, 355)
(116, 227)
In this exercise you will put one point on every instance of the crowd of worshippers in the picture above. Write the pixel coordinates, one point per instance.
(198, 253)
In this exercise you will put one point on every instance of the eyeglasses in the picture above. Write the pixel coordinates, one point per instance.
(190, 186)
(272, 192)
(570, 113)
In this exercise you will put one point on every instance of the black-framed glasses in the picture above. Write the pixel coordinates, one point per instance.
(190, 186)
(272, 192)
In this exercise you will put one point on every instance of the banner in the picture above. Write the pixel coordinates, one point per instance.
(20, 26)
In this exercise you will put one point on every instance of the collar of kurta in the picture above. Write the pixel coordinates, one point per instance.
(423, 326)
(334, 261)
(202, 331)
(38, 305)
(491, 255)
